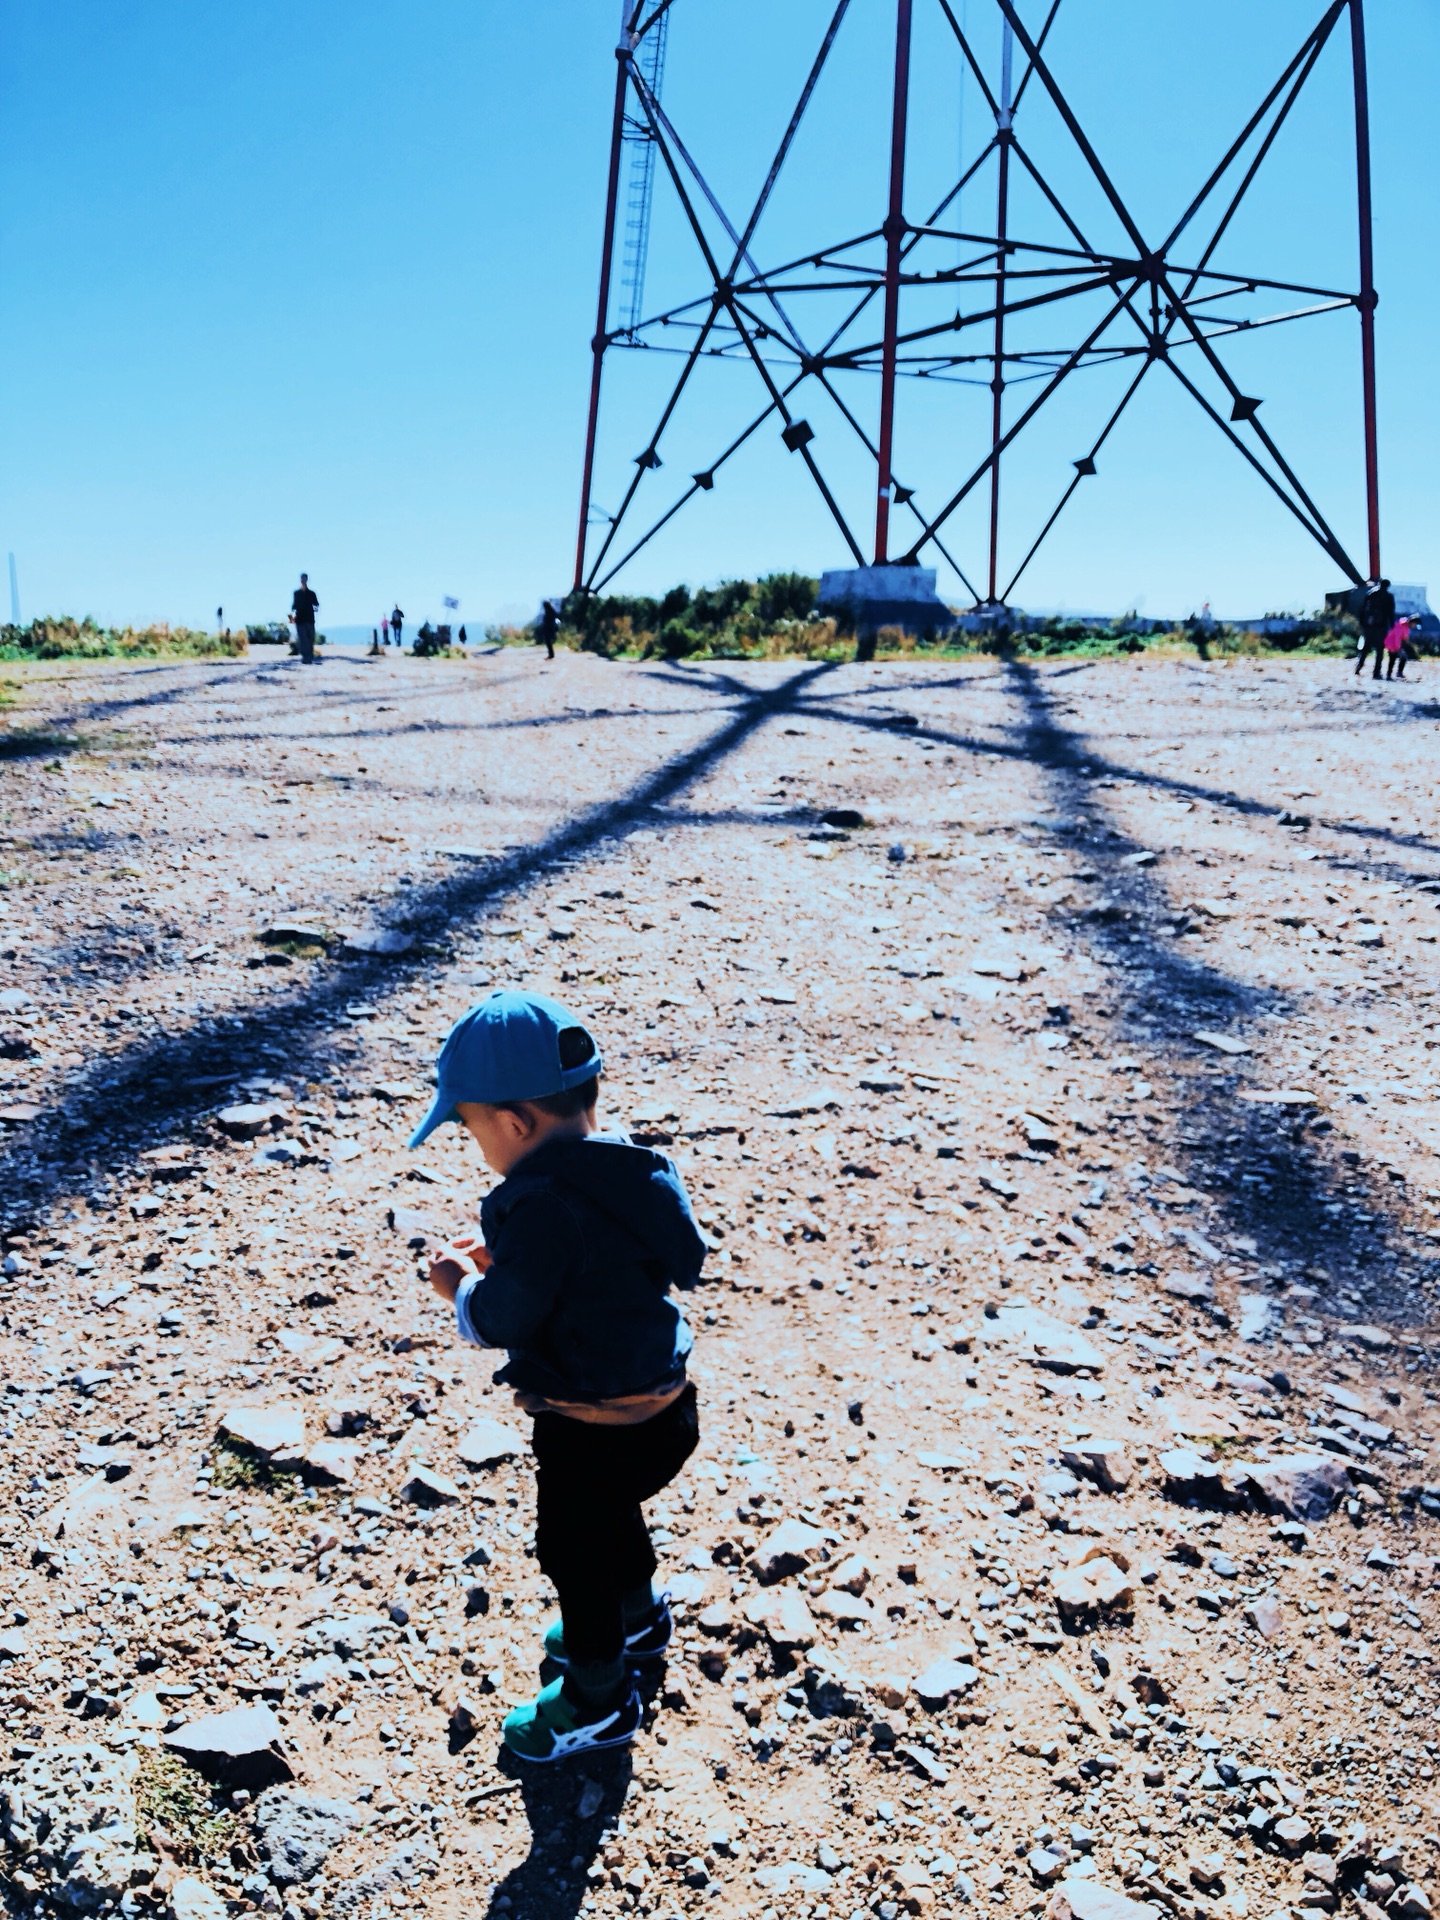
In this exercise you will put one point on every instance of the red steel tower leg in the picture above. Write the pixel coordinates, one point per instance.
(997, 381)
(600, 341)
(894, 231)
(1367, 282)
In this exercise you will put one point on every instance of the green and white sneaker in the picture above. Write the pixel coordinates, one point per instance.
(552, 1727)
(645, 1644)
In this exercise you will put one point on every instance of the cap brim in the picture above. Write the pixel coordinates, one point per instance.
(442, 1108)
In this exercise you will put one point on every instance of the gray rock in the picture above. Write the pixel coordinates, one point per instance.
(944, 1681)
(426, 1488)
(298, 1831)
(790, 1549)
(1256, 1316)
(1041, 1339)
(1302, 1486)
(266, 1430)
(489, 1443)
(399, 1869)
(194, 1899)
(792, 1876)
(1103, 1461)
(382, 940)
(1189, 1476)
(1088, 1900)
(251, 1118)
(67, 1817)
(240, 1748)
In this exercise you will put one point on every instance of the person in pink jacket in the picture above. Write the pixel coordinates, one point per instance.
(1397, 649)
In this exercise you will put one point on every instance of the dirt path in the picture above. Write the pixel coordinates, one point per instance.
(1063, 1118)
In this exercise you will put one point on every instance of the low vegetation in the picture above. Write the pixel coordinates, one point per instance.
(777, 618)
(69, 639)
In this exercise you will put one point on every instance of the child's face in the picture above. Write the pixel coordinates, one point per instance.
(503, 1134)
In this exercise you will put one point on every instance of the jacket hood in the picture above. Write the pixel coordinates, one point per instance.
(636, 1187)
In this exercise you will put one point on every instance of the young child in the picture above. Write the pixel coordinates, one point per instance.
(580, 1244)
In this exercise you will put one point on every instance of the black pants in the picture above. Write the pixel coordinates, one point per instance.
(305, 634)
(1375, 646)
(590, 1535)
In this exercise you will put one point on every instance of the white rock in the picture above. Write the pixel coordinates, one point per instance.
(783, 1617)
(790, 1549)
(489, 1443)
(192, 1899)
(266, 1430)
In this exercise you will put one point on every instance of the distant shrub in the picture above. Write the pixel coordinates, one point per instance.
(65, 639)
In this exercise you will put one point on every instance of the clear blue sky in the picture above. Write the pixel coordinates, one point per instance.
(312, 284)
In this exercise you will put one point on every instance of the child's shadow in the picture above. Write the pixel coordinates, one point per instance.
(570, 1806)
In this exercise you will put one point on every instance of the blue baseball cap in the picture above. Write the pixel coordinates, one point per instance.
(509, 1047)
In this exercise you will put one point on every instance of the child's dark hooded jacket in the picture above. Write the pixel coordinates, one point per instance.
(587, 1238)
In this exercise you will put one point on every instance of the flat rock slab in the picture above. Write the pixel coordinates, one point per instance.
(790, 1549)
(252, 1118)
(1099, 1586)
(489, 1443)
(239, 1748)
(1042, 1340)
(426, 1488)
(792, 1876)
(1088, 1900)
(299, 1831)
(1103, 1461)
(195, 1899)
(266, 1430)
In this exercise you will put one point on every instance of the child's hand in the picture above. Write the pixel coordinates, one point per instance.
(452, 1266)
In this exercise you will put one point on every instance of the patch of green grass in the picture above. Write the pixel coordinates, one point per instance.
(176, 1804)
(71, 639)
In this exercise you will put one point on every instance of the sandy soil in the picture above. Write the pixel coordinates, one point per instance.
(1066, 1133)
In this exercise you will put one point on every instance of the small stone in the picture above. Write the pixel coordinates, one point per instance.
(299, 1831)
(892, 1691)
(1267, 1616)
(790, 1876)
(332, 1462)
(1321, 1867)
(716, 1620)
(1294, 1832)
(13, 1644)
(381, 941)
(489, 1443)
(1412, 1902)
(783, 1616)
(266, 1430)
(466, 1719)
(1046, 1866)
(1083, 1899)
(247, 1121)
(1373, 1339)
(790, 1549)
(852, 1575)
(1098, 1585)
(1103, 1461)
(192, 1899)
(944, 1681)
(844, 1609)
(426, 1488)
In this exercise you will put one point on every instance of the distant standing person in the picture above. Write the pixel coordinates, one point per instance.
(397, 624)
(1377, 617)
(304, 605)
(548, 627)
(385, 631)
(463, 637)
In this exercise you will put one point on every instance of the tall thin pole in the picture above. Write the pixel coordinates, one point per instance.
(997, 377)
(1367, 282)
(894, 231)
(600, 340)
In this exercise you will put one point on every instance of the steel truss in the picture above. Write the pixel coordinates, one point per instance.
(1162, 304)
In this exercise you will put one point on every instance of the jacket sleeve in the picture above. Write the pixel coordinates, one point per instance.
(536, 1248)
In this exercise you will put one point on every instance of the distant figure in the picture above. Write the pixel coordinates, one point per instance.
(1377, 617)
(385, 631)
(397, 625)
(463, 637)
(304, 605)
(1397, 650)
(220, 620)
(547, 627)
(374, 640)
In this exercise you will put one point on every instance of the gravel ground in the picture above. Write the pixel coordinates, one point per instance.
(1061, 1113)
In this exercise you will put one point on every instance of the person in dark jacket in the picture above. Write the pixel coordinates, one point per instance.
(580, 1246)
(1377, 617)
